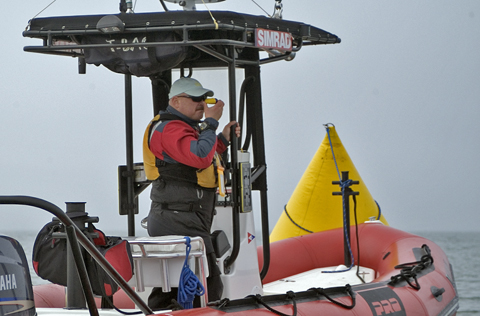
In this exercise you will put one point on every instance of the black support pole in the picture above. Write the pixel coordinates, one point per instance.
(129, 174)
(346, 222)
(75, 298)
(77, 256)
(123, 6)
(234, 164)
(255, 123)
(160, 88)
(346, 193)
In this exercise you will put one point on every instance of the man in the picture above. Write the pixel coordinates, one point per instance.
(183, 169)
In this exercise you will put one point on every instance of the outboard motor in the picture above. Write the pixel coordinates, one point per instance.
(16, 292)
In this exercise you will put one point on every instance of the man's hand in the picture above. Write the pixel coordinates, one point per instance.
(226, 130)
(215, 111)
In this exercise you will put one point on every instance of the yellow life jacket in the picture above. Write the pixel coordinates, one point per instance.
(151, 170)
(206, 178)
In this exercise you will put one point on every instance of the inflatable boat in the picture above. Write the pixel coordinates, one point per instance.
(383, 271)
(406, 275)
(332, 251)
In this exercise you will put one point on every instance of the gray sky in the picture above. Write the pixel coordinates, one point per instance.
(401, 88)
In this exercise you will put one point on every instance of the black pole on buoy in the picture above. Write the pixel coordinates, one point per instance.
(346, 192)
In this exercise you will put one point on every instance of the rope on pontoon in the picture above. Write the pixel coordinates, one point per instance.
(348, 290)
(410, 270)
(290, 296)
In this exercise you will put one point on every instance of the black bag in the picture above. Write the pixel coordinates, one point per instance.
(50, 259)
(118, 254)
(50, 254)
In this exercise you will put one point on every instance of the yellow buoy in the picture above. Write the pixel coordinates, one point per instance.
(312, 205)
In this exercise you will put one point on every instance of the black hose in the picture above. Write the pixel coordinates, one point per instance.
(358, 240)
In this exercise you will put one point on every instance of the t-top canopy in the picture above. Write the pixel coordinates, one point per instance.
(144, 44)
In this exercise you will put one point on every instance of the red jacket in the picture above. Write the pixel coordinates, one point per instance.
(179, 141)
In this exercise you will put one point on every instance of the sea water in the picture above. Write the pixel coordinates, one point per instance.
(462, 249)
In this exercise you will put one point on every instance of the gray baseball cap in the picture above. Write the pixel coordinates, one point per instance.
(189, 86)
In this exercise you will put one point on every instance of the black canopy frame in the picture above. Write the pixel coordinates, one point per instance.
(226, 42)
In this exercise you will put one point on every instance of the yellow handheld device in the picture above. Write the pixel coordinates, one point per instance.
(221, 181)
(211, 100)
(221, 177)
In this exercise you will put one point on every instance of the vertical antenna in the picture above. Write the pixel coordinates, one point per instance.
(129, 6)
(277, 14)
(123, 6)
(126, 6)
